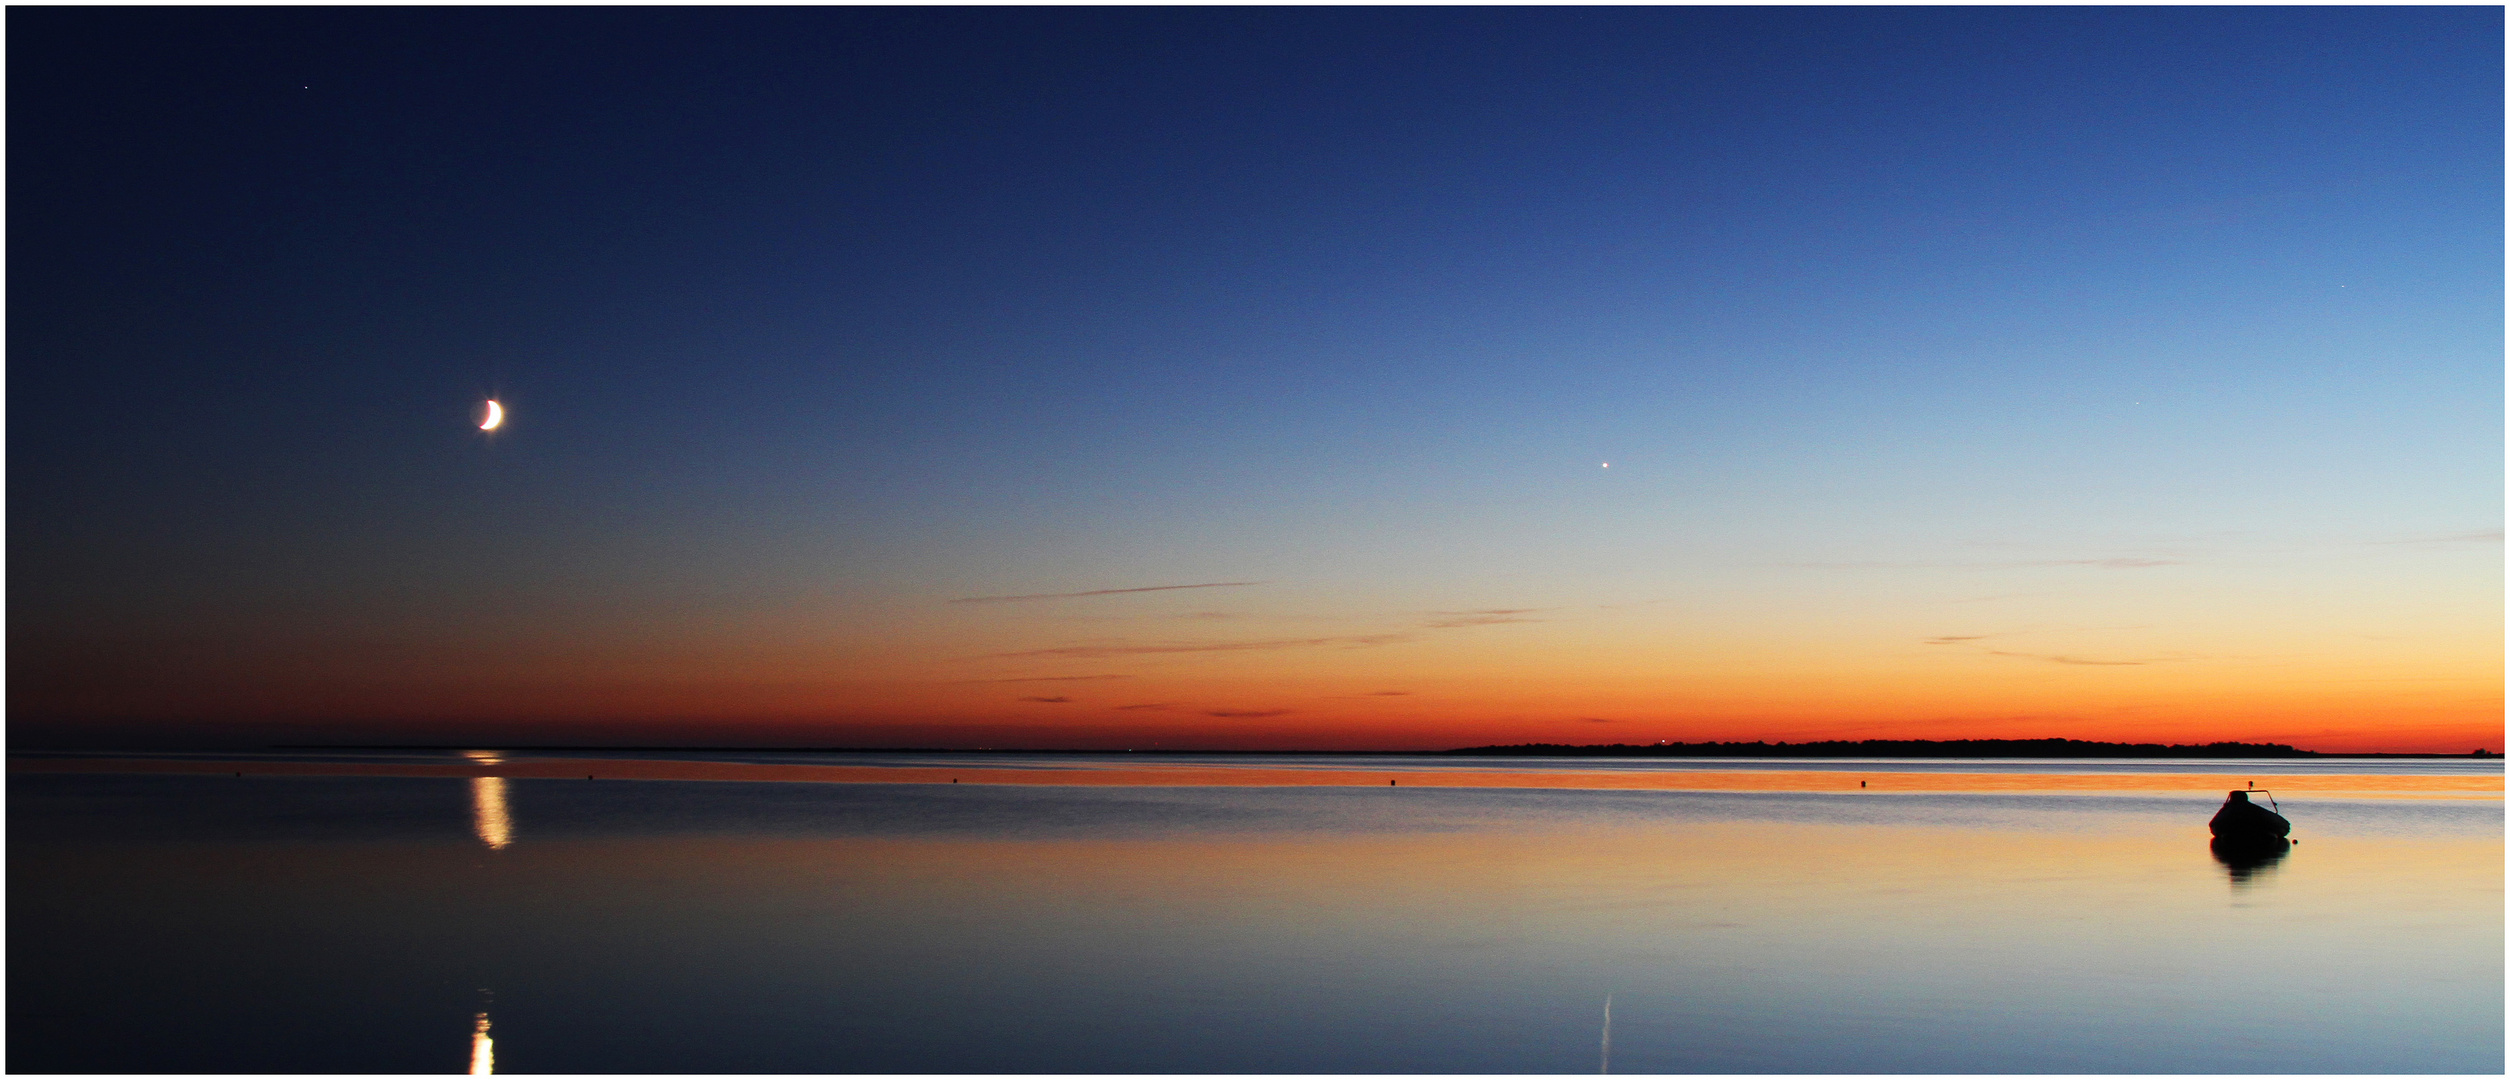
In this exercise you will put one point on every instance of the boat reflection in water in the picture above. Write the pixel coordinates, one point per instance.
(2249, 859)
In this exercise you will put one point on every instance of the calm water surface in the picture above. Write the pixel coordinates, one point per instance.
(175, 923)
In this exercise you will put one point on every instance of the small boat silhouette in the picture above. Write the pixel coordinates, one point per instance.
(2243, 822)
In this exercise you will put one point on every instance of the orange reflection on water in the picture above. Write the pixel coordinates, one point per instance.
(1907, 892)
(488, 808)
(488, 812)
(483, 1049)
(496, 829)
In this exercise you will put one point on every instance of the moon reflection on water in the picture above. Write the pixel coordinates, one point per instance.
(495, 827)
(489, 818)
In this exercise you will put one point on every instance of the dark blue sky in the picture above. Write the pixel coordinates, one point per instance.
(807, 317)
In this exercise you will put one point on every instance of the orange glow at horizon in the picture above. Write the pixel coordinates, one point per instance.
(1740, 777)
(1272, 666)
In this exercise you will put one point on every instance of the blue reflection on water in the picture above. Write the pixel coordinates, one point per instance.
(208, 923)
(137, 807)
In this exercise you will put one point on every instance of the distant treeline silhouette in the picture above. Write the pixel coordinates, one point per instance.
(1896, 748)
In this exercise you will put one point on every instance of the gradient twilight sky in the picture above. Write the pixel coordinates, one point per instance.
(875, 376)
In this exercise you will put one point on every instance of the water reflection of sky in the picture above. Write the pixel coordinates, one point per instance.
(2374, 778)
(2439, 766)
(728, 927)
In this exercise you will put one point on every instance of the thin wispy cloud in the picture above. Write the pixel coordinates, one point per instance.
(1448, 620)
(1971, 641)
(1637, 603)
(2108, 564)
(2487, 536)
(1093, 652)
(1099, 592)
(1048, 678)
(2128, 562)
(2087, 662)
(1877, 565)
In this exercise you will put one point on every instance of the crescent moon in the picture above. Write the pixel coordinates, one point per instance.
(495, 416)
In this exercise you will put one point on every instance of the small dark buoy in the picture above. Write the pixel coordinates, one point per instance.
(954, 779)
(1860, 783)
(1389, 783)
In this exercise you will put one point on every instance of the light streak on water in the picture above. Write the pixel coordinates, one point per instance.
(488, 810)
(483, 1049)
(1607, 1065)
